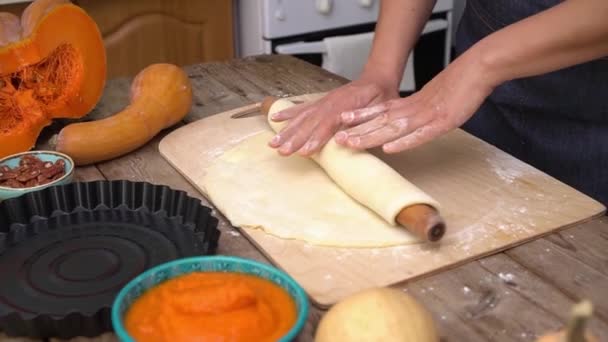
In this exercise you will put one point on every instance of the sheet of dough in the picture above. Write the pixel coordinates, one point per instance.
(292, 198)
(363, 176)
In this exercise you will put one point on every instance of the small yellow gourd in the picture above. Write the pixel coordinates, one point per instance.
(575, 330)
(377, 314)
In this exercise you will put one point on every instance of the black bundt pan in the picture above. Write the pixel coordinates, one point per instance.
(66, 251)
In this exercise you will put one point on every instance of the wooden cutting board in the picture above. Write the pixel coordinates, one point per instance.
(491, 201)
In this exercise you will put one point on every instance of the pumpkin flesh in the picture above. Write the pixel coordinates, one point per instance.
(52, 65)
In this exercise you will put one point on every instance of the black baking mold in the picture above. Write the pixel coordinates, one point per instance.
(59, 276)
(78, 196)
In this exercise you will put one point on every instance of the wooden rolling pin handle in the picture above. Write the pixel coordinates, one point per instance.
(423, 221)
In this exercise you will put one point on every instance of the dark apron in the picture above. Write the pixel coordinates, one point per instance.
(556, 122)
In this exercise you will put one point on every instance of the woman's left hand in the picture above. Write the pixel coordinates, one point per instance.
(445, 103)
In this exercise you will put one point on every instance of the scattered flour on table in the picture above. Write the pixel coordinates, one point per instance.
(214, 153)
(506, 169)
(506, 277)
(514, 228)
(234, 233)
(466, 290)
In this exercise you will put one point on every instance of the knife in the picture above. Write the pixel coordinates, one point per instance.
(255, 109)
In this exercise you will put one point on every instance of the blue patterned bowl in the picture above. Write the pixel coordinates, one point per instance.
(12, 161)
(217, 263)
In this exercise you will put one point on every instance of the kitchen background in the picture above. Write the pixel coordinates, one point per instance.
(334, 34)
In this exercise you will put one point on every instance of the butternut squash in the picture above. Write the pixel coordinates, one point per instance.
(52, 65)
(161, 95)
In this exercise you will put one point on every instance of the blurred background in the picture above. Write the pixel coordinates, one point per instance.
(337, 34)
(334, 34)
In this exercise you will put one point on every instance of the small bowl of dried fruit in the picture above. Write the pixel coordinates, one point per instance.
(32, 171)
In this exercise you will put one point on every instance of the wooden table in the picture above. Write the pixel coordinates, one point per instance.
(511, 296)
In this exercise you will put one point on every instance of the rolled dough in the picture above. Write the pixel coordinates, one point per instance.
(339, 197)
(363, 176)
(292, 198)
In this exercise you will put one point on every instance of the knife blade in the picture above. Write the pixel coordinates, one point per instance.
(254, 110)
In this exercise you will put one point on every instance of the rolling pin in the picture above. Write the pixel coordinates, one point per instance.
(422, 220)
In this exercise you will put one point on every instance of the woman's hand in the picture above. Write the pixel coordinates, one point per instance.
(311, 125)
(397, 30)
(526, 48)
(445, 103)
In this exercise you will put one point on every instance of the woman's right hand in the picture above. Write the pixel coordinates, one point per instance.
(312, 125)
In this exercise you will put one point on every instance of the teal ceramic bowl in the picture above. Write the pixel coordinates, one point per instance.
(12, 161)
(172, 269)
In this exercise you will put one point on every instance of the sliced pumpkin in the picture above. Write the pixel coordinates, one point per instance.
(52, 65)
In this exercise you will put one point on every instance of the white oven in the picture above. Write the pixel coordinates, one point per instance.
(300, 28)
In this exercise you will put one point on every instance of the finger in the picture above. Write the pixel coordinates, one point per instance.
(394, 109)
(417, 138)
(369, 126)
(386, 133)
(351, 136)
(358, 116)
(317, 130)
(291, 112)
(291, 128)
(320, 136)
(394, 129)
(298, 134)
(342, 137)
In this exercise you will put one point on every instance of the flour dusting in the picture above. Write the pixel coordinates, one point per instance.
(508, 173)
(508, 169)
(506, 277)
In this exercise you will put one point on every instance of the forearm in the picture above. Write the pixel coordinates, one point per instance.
(400, 23)
(570, 33)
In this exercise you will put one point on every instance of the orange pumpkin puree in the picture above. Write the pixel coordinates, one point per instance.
(212, 306)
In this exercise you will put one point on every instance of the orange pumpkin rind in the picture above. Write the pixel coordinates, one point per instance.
(52, 65)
